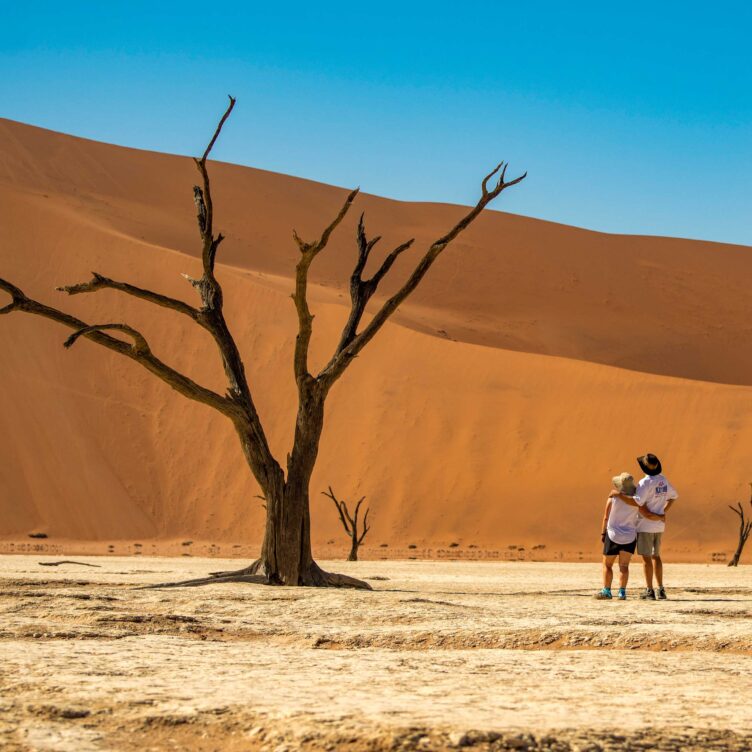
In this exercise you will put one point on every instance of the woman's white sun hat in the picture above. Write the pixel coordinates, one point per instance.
(625, 484)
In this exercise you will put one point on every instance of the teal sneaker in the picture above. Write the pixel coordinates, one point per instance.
(622, 594)
(604, 595)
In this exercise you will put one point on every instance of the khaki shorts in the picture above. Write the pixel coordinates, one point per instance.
(649, 544)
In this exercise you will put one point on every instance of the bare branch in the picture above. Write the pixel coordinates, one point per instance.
(364, 248)
(17, 296)
(343, 504)
(309, 251)
(484, 184)
(356, 513)
(218, 129)
(339, 505)
(343, 357)
(318, 245)
(136, 352)
(389, 261)
(99, 282)
(500, 183)
(485, 199)
(140, 345)
(366, 526)
(239, 405)
(324, 239)
(203, 200)
(361, 290)
(211, 317)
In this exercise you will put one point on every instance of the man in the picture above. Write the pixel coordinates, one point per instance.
(657, 495)
(619, 534)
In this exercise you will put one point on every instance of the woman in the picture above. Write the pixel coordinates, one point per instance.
(619, 533)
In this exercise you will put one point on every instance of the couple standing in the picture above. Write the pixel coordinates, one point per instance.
(635, 517)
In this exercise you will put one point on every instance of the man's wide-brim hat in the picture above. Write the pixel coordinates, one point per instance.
(625, 484)
(650, 464)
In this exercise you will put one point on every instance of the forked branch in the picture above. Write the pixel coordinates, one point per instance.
(140, 345)
(99, 282)
(254, 442)
(352, 342)
(308, 252)
(366, 526)
(204, 203)
(16, 294)
(238, 404)
(361, 290)
(139, 351)
(315, 247)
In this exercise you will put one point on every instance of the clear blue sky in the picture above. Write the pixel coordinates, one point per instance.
(630, 117)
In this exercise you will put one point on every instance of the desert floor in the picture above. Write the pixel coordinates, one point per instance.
(440, 655)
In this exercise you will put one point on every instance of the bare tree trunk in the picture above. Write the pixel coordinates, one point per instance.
(292, 537)
(745, 528)
(286, 553)
(350, 522)
(286, 556)
(737, 555)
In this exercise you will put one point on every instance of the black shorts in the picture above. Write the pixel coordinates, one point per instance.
(612, 549)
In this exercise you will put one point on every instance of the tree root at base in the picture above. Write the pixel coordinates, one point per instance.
(313, 577)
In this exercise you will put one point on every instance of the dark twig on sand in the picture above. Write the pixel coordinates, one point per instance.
(66, 561)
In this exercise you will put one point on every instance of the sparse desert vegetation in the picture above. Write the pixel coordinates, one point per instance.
(356, 532)
(745, 528)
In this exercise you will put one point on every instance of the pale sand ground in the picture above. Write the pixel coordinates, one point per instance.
(437, 650)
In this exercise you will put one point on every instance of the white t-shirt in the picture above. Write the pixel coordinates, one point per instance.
(622, 521)
(654, 491)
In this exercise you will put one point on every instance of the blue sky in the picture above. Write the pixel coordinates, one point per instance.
(629, 117)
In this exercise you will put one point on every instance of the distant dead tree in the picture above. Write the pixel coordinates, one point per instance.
(350, 523)
(745, 528)
(286, 556)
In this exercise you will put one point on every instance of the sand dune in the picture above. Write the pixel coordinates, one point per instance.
(536, 361)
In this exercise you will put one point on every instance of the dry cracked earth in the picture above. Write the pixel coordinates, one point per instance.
(441, 655)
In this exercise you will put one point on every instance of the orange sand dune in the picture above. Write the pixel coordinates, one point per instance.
(557, 355)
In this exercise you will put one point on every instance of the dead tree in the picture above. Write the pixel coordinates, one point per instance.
(350, 523)
(745, 528)
(286, 556)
